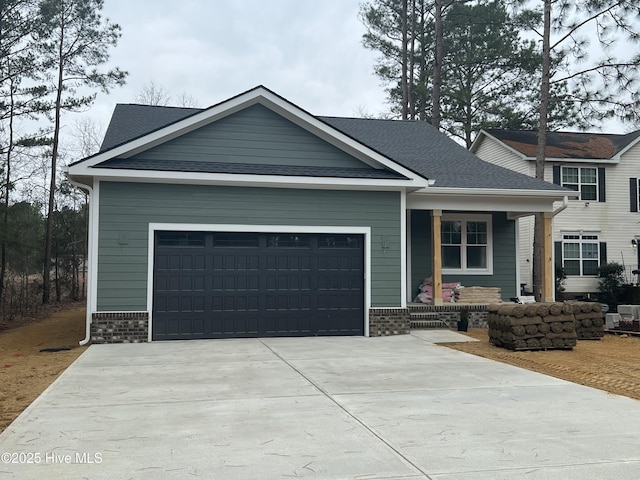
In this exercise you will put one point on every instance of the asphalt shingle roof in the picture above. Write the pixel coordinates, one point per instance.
(578, 145)
(130, 121)
(249, 168)
(415, 145)
(420, 147)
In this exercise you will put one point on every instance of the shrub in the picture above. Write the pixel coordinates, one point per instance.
(561, 277)
(610, 281)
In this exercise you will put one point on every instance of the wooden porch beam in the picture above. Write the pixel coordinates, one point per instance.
(547, 259)
(436, 221)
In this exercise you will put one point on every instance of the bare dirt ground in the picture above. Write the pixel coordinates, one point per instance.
(611, 364)
(25, 371)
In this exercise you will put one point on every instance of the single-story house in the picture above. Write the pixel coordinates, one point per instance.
(254, 217)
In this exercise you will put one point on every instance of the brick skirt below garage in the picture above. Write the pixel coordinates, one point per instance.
(120, 327)
(133, 327)
(388, 321)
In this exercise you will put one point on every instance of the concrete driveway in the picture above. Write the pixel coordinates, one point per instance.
(331, 408)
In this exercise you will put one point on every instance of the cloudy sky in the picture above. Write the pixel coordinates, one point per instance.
(308, 51)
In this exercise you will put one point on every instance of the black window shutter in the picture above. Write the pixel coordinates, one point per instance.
(556, 174)
(603, 253)
(602, 197)
(557, 247)
(633, 194)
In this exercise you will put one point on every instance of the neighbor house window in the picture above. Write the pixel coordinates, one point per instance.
(583, 180)
(580, 254)
(466, 244)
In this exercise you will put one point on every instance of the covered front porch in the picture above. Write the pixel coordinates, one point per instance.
(471, 238)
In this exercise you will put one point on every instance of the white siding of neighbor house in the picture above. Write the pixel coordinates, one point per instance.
(615, 224)
(493, 152)
(614, 221)
(525, 239)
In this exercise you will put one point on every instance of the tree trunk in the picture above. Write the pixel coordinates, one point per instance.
(57, 277)
(46, 276)
(411, 100)
(7, 190)
(538, 259)
(405, 61)
(422, 71)
(437, 66)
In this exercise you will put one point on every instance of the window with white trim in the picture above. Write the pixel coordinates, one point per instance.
(581, 179)
(466, 244)
(580, 254)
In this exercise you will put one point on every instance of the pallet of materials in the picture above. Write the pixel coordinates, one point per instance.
(544, 326)
(477, 295)
(589, 322)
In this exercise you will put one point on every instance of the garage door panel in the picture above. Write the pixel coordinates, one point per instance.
(186, 304)
(220, 285)
(174, 262)
(197, 326)
(161, 262)
(198, 283)
(173, 304)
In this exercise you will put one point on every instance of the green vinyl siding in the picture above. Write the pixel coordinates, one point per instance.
(504, 255)
(253, 135)
(126, 209)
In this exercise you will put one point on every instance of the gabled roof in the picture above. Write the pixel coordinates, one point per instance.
(569, 145)
(409, 151)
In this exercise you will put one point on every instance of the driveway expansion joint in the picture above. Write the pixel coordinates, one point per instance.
(347, 412)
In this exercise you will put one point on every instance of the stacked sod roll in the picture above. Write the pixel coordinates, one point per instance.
(589, 320)
(536, 326)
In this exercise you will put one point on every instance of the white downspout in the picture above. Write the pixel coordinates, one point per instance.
(88, 318)
(565, 204)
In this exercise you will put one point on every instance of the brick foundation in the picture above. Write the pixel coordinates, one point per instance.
(388, 321)
(120, 327)
(450, 313)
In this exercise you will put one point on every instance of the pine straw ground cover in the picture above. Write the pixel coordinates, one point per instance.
(611, 364)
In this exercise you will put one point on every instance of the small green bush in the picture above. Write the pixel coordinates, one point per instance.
(610, 281)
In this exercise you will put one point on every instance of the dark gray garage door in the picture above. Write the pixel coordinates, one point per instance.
(222, 285)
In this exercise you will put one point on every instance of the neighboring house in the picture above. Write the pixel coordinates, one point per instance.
(601, 224)
(255, 218)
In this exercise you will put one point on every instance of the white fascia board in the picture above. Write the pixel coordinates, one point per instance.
(488, 200)
(259, 95)
(611, 161)
(492, 192)
(279, 181)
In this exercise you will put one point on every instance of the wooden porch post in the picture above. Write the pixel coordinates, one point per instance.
(548, 286)
(436, 217)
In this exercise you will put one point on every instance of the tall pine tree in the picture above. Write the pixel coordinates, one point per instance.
(74, 40)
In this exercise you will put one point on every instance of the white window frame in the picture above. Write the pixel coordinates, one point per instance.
(488, 219)
(583, 238)
(579, 183)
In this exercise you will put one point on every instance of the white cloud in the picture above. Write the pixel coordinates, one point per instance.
(310, 52)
